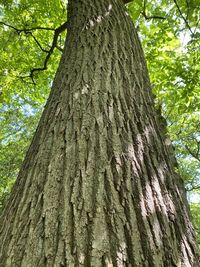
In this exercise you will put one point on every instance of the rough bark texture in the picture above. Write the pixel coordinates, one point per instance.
(98, 186)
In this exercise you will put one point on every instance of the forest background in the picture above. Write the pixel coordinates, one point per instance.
(32, 38)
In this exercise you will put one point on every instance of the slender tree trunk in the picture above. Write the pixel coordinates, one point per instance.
(98, 186)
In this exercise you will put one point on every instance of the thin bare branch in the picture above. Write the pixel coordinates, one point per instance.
(26, 30)
(49, 52)
(193, 187)
(37, 42)
(151, 17)
(53, 45)
(59, 48)
(127, 1)
(181, 14)
(193, 154)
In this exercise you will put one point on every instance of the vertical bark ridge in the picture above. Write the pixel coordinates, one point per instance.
(98, 186)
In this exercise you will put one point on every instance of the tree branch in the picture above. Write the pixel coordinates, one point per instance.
(26, 30)
(37, 42)
(49, 52)
(127, 1)
(185, 20)
(53, 45)
(193, 187)
(59, 48)
(194, 155)
(151, 17)
(145, 15)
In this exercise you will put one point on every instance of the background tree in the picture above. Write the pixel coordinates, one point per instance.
(11, 96)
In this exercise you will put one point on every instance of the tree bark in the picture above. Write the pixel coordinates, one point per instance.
(98, 186)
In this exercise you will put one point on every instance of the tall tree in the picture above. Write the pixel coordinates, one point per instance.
(98, 185)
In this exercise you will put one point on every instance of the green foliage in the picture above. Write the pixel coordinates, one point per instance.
(195, 209)
(21, 99)
(18, 122)
(170, 37)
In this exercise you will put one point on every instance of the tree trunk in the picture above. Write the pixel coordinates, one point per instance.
(98, 186)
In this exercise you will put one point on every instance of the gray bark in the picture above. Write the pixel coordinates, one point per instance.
(98, 186)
